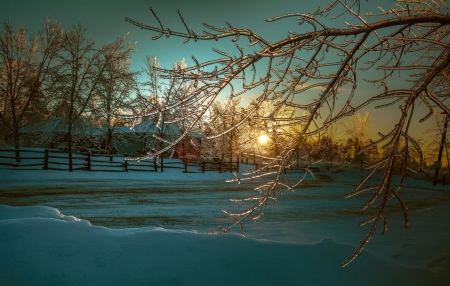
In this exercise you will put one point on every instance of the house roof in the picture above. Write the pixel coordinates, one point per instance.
(116, 130)
(58, 125)
(149, 126)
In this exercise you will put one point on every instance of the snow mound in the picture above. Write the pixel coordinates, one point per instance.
(40, 248)
(8, 213)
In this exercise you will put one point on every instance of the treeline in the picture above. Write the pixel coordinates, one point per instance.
(63, 74)
(58, 73)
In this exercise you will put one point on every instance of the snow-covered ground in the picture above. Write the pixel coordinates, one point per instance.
(142, 228)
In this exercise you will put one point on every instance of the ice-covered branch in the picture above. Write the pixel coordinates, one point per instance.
(314, 77)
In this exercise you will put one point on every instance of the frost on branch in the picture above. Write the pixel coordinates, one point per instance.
(331, 64)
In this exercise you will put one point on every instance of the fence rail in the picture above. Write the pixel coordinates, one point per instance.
(53, 159)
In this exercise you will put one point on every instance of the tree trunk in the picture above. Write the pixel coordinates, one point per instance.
(70, 143)
(331, 154)
(69, 147)
(231, 151)
(17, 146)
(441, 148)
(109, 140)
(110, 127)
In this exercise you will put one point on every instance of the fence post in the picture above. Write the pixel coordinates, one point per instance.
(89, 162)
(70, 160)
(162, 163)
(155, 163)
(237, 166)
(125, 165)
(185, 165)
(203, 166)
(46, 160)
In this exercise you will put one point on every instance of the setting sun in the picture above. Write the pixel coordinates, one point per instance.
(263, 138)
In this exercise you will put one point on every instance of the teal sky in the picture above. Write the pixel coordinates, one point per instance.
(105, 22)
(105, 19)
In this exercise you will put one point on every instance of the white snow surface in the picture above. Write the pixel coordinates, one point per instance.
(140, 228)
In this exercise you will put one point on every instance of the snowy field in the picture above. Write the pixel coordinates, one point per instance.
(141, 228)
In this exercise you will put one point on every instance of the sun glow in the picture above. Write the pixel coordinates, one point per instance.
(263, 138)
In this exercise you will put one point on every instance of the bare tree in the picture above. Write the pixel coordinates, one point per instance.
(326, 52)
(328, 147)
(81, 69)
(438, 143)
(231, 143)
(357, 130)
(154, 95)
(333, 147)
(112, 96)
(24, 68)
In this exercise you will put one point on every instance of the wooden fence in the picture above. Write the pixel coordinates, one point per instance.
(52, 159)
(289, 170)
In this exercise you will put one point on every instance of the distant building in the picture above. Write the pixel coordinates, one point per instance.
(52, 133)
(189, 147)
(143, 138)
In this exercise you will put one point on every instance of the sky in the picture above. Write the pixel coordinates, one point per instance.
(105, 21)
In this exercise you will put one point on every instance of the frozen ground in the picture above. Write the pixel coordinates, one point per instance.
(138, 228)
